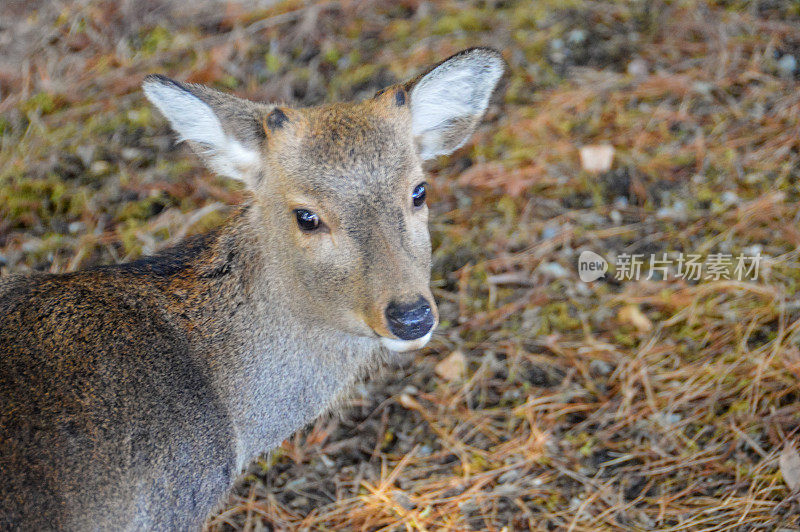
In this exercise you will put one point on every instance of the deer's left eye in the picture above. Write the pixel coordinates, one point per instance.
(307, 220)
(419, 194)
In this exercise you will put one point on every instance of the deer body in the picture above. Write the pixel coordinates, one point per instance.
(189, 384)
(131, 396)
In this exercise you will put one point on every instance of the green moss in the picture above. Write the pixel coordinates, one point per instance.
(272, 62)
(469, 20)
(557, 317)
(158, 38)
(43, 102)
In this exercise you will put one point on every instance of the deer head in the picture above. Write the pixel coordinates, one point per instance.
(340, 189)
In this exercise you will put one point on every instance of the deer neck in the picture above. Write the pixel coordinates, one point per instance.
(275, 369)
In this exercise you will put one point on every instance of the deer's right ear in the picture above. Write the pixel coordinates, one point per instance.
(226, 131)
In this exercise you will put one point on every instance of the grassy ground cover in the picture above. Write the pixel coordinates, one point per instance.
(542, 402)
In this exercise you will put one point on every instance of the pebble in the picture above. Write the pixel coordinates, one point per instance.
(403, 499)
(468, 506)
(576, 36)
(638, 68)
(129, 154)
(729, 198)
(787, 65)
(553, 269)
(601, 367)
(85, 153)
(299, 502)
(703, 87)
(549, 231)
(676, 212)
(76, 227)
(753, 250)
(99, 167)
(510, 476)
(506, 489)
(582, 289)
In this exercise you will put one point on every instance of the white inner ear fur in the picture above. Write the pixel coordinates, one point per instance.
(196, 122)
(456, 90)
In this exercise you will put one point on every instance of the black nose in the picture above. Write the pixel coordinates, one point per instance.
(409, 321)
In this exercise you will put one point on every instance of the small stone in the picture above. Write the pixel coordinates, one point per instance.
(506, 490)
(576, 36)
(99, 167)
(601, 367)
(299, 502)
(787, 65)
(295, 484)
(752, 251)
(553, 269)
(549, 231)
(510, 476)
(468, 506)
(703, 87)
(789, 463)
(729, 198)
(582, 289)
(638, 68)
(86, 154)
(676, 212)
(401, 498)
(76, 227)
(129, 154)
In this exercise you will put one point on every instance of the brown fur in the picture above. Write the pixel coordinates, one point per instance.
(132, 395)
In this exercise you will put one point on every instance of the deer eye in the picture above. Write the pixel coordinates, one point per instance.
(419, 194)
(307, 220)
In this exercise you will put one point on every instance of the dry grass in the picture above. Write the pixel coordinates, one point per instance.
(571, 414)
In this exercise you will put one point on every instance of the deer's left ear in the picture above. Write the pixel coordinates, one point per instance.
(449, 100)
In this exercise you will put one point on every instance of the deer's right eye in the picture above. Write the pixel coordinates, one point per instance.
(307, 220)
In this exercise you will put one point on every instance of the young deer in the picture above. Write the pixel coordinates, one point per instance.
(132, 395)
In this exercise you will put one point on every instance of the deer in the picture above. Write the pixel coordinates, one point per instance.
(133, 395)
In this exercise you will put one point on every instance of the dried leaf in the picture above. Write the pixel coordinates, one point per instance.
(452, 367)
(409, 402)
(790, 466)
(632, 315)
(597, 157)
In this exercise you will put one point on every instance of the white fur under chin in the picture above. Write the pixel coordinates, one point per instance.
(400, 346)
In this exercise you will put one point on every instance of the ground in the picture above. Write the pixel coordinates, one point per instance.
(543, 402)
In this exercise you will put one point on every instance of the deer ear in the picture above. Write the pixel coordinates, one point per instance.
(448, 101)
(226, 131)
